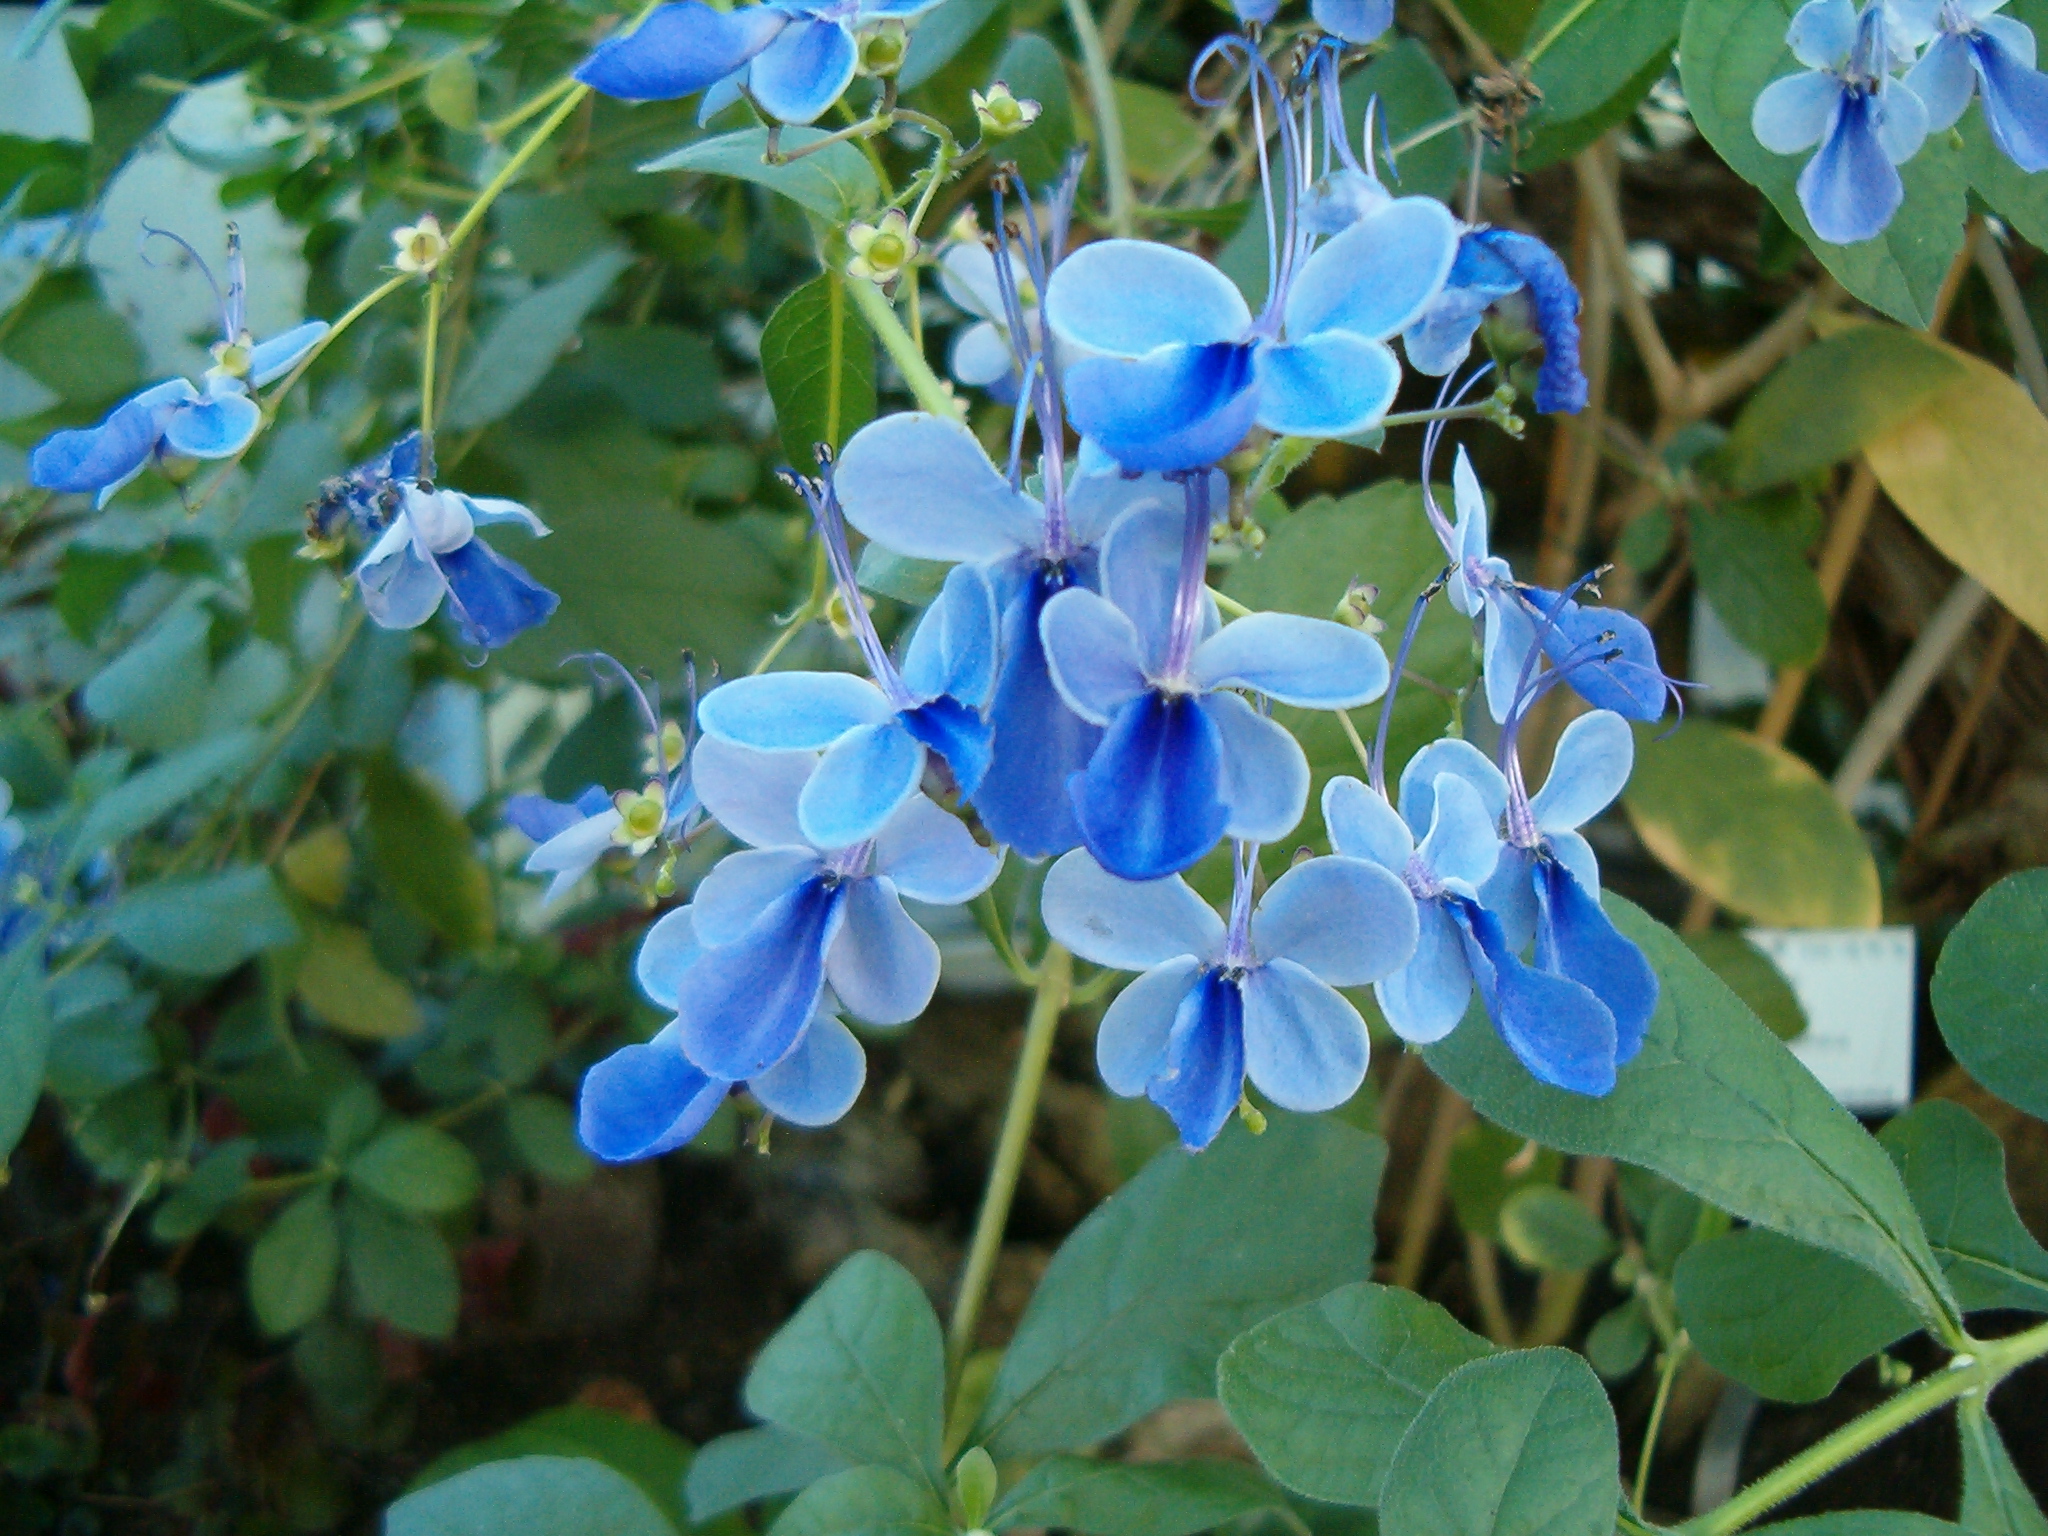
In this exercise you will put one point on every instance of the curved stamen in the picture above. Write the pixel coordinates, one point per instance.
(823, 501)
(1376, 764)
(1237, 942)
(1186, 630)
(1431, 436)
(227, 314)
(599, 663)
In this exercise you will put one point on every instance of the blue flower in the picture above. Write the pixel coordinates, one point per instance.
(794, 57)
(1491, 264)
(1974, 51)
(1256, 998)
(1605, 656)
(1183, 761)
(176, 419)
(648, 1099)
(874, 735)
(1865, 122)
(779, 921)
(1165, 365)
(1584, 1009)
(1443, 845)
(1356, 21)
(985, 355)
(428, 550)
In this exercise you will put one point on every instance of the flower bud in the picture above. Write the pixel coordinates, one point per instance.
(883, 48)
(974, 1482)
(641, 816)
(421, 246)
(882, 252)
(1355, 608)
(1001, 114)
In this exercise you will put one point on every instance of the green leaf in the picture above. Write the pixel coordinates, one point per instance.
(91, 582)
(24, 1039)
(524, 341)
(941, 33)
(865, 1501)
(154, 692)
(399, 1269)
(1548, 1229)
(1785, 1320)
(1159, 135)
(1728, 51)
(1863, 1522)
(205, 925)
(666, 376)
(1717, 1104)
(1990, 991)
(1413, 96)
(451, 90)
(341, 983)
(834, 183)
(1323, 1392)
(294, 1263)
(417, 1168)
(1750, 557)
(755, 1464)
(653, 1457)
(1996, 1501)
(1826, 401)
(1111, 1498)
(1145, 1294)
(1954, 1168)
(1481, 1178)
(544, 1131)
(1512, 1445)
(1033, 69)
(215, 1184)
(1620, 1340)
(533, 1496)
(427, 856)
(79, 348)
(861, 1367)
(819, 362)
(1750, 974)
(1751, 825)
(1603, 47)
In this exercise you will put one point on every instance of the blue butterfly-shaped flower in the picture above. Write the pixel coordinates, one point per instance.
(1973, 51)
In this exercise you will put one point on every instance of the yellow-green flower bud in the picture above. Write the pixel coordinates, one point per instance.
(882, 252)
(421, 246)
(883, 48)
(974, 1483)
(642, 815)
(1001, 114)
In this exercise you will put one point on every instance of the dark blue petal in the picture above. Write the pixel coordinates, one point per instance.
(1179, 407)
(1632, 684)
(1850, 189)
(539, 818)
(679, 50)
(744, 1005)
(1038, 742)
(643, 1101)
(1149, 803)
(1559, 1030)
(1561, 386)
(93, 458)
(1576, 938)
(956, 733)
(2015, 103)
(494, 600)
(1202, 1077)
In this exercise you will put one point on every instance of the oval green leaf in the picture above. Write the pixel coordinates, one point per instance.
(1991, 990)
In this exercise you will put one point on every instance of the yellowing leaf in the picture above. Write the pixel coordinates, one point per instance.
(1970, 468)
(342, 983)
(1753, 826)
(316, 866)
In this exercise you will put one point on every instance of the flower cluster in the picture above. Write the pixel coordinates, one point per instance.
(1868, 119)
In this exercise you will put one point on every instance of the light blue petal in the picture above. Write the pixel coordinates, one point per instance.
(1304, 1045)
(1426, 998)
(1265, 773)
(1363, 826)
(1463, 843)
(1358, 22)
(1330, 384)
(1141, 575)
(1849, 189)
(1901, 122)
(1470, 531)
(981, 355)
(967, 271)
(1944, 80)
(1345, 920)
(932, 857)
(1576, 854)
(273, 359)
(1590, 767)
(818, 1081)
(218, 427)
(1091, 650)
(1461, 758)
(753, 795)
(93, 458)
(1442, 338)
(1510, 636)
(2014, 37)
(1910, 23)
(1791, 114)
(883, 967)
(922, 486)
(799, 75)
(1379, 275)
(1311, 663)
(1125, 298)
(741, 886)
(791, 711)
(679, 50)
(645, 1100)
(401, 587)
(1096, 501)
(743, 1006)
(571, 853)
(1175, 408)
(1130, 1043)
(860, 781)
(492, 511)
(1822, 33)
(953, 651)
(719, 95)
(1127, 925)
(669, 949)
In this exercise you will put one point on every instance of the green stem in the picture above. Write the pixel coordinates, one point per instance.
(1109, 123)
(1055, 980)
(1978, 1371)
(1674, 1357)
(519, 114)
(430, 346)
(1564, 24)
(880, 315)
(513, 165)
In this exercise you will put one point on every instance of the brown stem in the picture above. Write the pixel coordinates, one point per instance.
(1964, 731)
(1667, 379)
(1484, 1261)
(1426, 1199)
